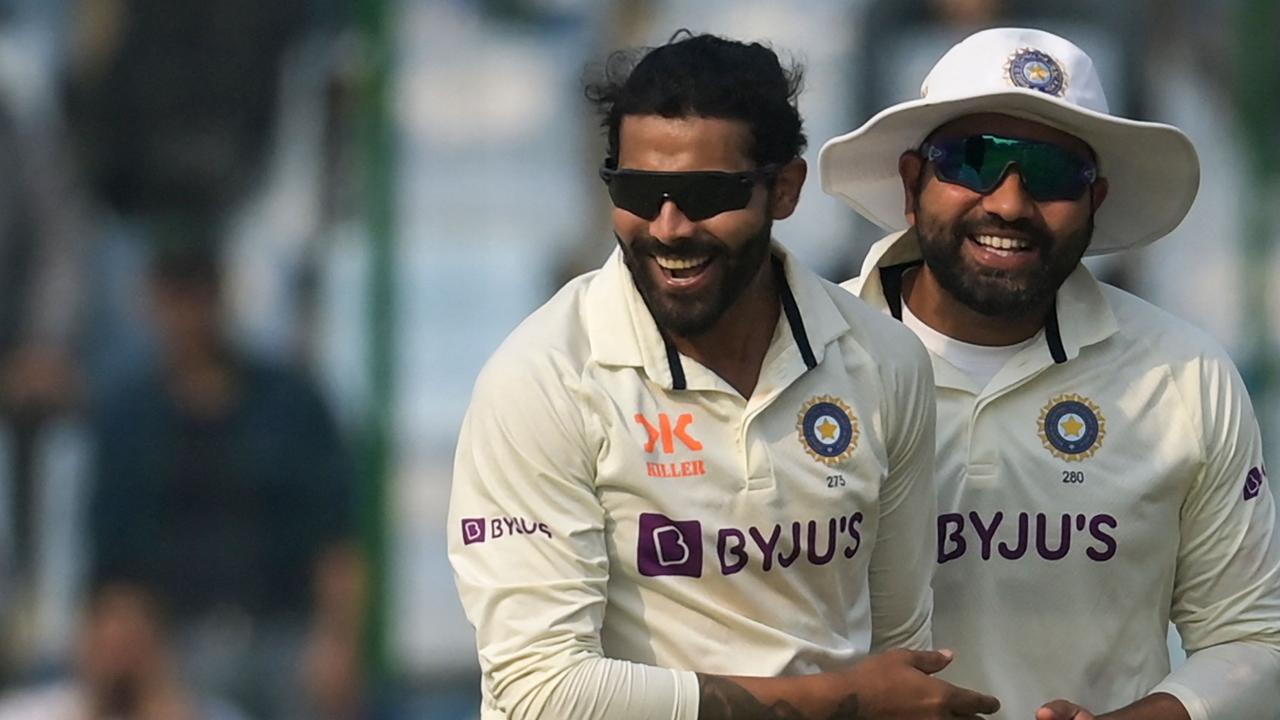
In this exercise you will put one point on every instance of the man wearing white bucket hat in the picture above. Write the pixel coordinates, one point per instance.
(1100, 469)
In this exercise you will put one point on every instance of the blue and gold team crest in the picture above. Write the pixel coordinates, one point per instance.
(1037, 70)
(1072, 427)
(828, 430)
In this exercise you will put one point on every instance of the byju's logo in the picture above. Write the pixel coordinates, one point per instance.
(473, 531)
(669, 547)
(478, 530)
(675, 547)
(1253, 482)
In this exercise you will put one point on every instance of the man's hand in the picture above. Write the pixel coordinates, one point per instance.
(1156, 706)
(1063, 710)
(895, 685)
(898, 684)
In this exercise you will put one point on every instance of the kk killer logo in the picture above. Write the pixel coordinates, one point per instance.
(668, 433)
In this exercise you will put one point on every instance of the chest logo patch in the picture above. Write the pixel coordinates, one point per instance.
(1072, 427)
(828, 429)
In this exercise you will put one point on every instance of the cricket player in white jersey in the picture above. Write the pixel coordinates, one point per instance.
(1099, 463)
(698, 482)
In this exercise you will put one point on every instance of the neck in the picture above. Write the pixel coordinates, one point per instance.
(204, 385)
(734, 348)
(941, 311)
(158, 695)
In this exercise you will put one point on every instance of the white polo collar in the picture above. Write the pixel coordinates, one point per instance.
(623, 332)
(1081, 315)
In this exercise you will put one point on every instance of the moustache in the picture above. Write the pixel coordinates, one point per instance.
(693, 247)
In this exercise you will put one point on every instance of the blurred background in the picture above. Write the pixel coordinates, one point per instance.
(253, 255)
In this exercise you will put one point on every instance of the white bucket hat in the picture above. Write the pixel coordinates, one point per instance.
(1152, 168)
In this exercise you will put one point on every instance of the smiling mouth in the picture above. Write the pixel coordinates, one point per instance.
(1001, 245)
(682, 268)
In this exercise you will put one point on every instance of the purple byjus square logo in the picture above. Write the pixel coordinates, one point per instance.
(669, 547)
(473, 530)
(1253, 482)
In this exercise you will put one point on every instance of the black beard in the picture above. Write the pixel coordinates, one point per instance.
(1000, 293)
(693, 317)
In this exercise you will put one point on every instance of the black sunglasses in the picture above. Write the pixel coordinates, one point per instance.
(980, 163)
(699, 195)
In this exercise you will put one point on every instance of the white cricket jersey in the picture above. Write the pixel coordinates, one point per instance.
(621, 517)
(1107, 480)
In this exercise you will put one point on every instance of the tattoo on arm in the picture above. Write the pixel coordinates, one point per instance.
(724, 699)
(847, 709)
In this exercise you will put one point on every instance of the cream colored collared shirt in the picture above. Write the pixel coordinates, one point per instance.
(622, 518)
(1087, 501)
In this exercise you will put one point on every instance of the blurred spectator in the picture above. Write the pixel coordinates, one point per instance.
(1114, 27)
(124, 669)
(190, 109)
(43, 238)
(44, 243)
(223, 483)
(173, 101)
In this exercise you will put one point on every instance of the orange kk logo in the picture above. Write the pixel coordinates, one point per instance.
(668, 434)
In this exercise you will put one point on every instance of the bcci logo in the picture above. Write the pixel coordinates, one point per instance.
(1036, 70)
(1072, 427)
(828, 430)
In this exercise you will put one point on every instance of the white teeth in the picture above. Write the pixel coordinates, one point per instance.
(679, 263)
(1001, 243)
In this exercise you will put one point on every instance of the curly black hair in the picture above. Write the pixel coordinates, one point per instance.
(705, 76)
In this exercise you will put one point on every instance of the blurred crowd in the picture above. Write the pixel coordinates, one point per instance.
(180, 499)
(179, 502)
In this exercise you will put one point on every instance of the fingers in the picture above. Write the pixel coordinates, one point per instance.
(1062, 710)
(931, 661)
(963, 703)
(968, 702)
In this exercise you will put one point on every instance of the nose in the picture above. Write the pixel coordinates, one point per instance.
(1009, 199)
(671, 224)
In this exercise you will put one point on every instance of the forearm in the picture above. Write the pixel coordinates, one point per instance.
(1232, 681)
(1157, 706)
(893, 684)
(779, 698)
(597, 689)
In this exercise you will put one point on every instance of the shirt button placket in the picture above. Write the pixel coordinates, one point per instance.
(758, 464)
